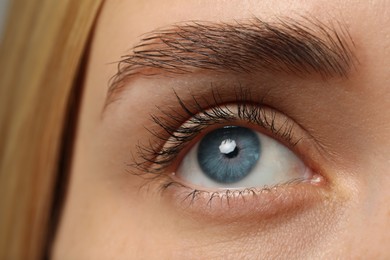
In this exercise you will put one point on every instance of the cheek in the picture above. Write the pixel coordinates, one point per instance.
(372, 215)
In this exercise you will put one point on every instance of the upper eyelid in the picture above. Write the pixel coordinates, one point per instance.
(253, 45)
(201, 119)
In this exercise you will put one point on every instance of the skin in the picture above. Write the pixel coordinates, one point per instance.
(346, 216)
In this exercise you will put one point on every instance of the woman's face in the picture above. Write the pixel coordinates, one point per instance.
(233, 129)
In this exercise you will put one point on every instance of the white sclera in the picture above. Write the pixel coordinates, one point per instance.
(277, 165)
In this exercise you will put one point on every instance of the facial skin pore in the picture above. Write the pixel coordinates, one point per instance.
(335, 92)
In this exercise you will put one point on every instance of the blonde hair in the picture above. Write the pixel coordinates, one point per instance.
(41, 50)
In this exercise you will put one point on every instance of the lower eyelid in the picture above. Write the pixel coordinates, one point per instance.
(231, 205)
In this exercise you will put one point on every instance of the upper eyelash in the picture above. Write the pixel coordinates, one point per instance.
(156, 156)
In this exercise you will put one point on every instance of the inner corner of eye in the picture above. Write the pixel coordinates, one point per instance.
(236, 157)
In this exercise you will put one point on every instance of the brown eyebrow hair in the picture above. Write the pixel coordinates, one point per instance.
(304, 47)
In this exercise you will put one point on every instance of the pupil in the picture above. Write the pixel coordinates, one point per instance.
(232, 154)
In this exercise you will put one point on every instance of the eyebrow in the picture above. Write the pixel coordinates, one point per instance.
(302, 48)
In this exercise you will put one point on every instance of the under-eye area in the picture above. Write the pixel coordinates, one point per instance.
(208, 155)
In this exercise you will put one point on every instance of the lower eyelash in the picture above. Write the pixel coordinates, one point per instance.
(190, 195)
(173, 135)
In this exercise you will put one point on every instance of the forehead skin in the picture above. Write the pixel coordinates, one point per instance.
(106, 218)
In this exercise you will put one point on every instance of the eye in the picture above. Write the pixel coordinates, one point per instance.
(208, 155)
(235, 157)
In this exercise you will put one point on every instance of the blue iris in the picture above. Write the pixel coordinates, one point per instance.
(228, 154)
